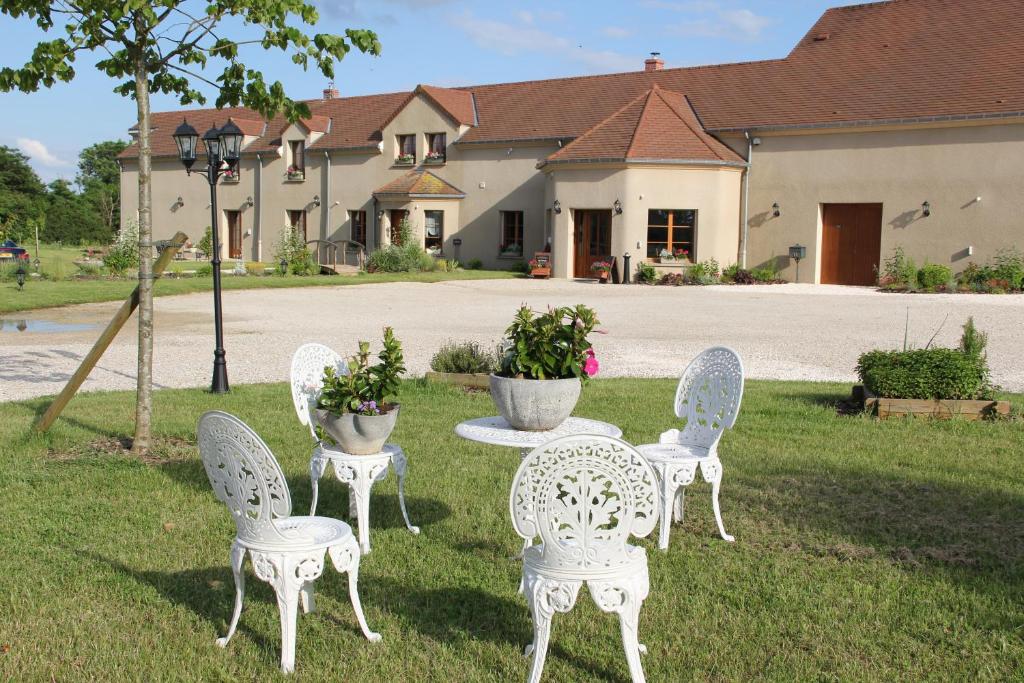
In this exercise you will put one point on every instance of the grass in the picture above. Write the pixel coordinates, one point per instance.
(49, 293)
(865, 550)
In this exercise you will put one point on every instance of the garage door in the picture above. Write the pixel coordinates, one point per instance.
(851, 242)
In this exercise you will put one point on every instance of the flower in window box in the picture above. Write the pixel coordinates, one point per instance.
(666, 255)
(682, 254)
(405, 159)
(295, 173)
(511, 249)
(230, 175)
(435, 156)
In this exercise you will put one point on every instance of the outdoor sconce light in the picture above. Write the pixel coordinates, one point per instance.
(249, 202)
(316, 200)
(179, 202)
(797, 252)
(557, 206)
(618, 207)
(926, 209)
(776, 211)
(20, 275)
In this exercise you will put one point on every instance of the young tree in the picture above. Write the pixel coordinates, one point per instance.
(167, 46)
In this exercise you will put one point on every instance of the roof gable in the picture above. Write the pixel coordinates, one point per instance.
(420, 183)
(457, 105)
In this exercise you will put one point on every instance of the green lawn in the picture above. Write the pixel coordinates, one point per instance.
(865, 550)
(48, 293)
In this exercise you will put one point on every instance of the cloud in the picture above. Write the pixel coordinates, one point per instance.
(617, 32)
(38, 152)
(741, 24)
(514, 39)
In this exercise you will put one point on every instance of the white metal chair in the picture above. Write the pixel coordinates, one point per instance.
(360, 472)
(708, 400)
(584, 496)
(287, 552)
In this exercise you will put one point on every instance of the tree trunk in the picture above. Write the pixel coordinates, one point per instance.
(144, 390)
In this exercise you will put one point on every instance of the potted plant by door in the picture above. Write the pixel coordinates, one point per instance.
(547, 358)
(356, 408)
(602, 269)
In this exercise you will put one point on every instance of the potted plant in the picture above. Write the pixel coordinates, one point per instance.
(682, 254)
(405, 159)
(230, 175)
(434, 157)
(665, 256)
(295, 173)
(602, 268)
(547, 358)
(355, 408)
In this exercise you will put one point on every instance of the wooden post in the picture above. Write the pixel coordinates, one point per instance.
(100, 347)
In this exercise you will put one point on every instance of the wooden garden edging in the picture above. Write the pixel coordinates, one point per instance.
(98, 349)
(941, 409)
(478, 380)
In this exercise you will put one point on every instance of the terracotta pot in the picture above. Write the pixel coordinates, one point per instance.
(358, 434)
(535, 405)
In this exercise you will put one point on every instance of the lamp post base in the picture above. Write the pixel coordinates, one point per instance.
(220, 374)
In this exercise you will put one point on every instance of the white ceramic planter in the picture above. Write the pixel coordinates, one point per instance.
(534, 405)
(358, 434)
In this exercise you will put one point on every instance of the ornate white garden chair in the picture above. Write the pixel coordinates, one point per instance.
(360, 472)
(708, 400)
(584, 496)
(287, 552)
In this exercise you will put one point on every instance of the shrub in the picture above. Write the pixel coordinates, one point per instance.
(552, 345)
(973, 341)
(974, 277)
(672, 279)
(1008, 265)
(205, 270)
(474, 264)
(404, 256)
(742, 276)
(934, 275)
(123, 254)
(292, 250)
(365, 389)
(520, 267)
(645, 272)
(88, 270)
(898, 271)
(206, 244)
(466, 357)
(924, 374)
(705, 272)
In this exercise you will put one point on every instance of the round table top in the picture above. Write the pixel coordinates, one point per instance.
(497, 432)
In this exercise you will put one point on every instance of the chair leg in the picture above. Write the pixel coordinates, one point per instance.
(545, 597)
(625, 597)
(288, 606)
(346, 559)
(716, 485)
(316, 470)
(401, 465)
(667, 495)
(237, 560)
(359, 492)
(306, 598)
(680, 502)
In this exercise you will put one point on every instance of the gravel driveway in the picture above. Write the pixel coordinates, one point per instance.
(782, 332)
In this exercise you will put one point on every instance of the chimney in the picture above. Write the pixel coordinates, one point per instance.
(654, 63)
(330, 92)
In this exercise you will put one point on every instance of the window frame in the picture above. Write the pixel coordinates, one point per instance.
(519, 231)
(400, 148)
(353, 215)
(670, 228)
(429, 148)
(301, 146)
(427, 239)
(291, 213)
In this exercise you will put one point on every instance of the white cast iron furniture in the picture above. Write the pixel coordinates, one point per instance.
(708, 400)
(584, 495)
(496, 431)
(287, 552)
(360, 472)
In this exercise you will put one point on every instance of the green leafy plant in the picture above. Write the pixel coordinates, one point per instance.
(898, 271)
(705, 272)
(123, 254)
(1008, 265)
(465, 357)
(932, 276)
(403, 256)
(291, 249)
(206, 244)
(646, 273)
(474, 264)
(205, 270)
(551, 345)
(365, 389)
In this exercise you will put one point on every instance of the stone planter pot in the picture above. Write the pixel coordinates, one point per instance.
(534, 405)
(358, 434)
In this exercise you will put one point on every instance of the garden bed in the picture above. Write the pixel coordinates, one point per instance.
(885, 408)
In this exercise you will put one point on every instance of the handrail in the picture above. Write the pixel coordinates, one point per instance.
(329, 250)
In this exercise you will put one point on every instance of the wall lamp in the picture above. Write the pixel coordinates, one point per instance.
(316, 200)
(557, 206)
(180, 201)
(776, 211)
(249, 202)
(618, 207)
(926, 209)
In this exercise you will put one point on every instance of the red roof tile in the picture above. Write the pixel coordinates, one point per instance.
(419, 183)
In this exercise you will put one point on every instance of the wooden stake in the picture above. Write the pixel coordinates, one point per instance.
(100, 347)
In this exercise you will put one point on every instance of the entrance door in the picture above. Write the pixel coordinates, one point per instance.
(593, 239)
(851, 243)
(397, 216)
(234, 233)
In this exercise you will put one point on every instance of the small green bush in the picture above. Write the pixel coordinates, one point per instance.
(89, 270)
(898, 271)
(646, 273)
(1008, 265)
(255, 269)
(292, 250)
(123, 254)
(764, 274)
(520, 267)
(934, 275)
(205, 270)
(924, 374)
(474, 264)
(206, 244)
(465, 357)
(705, 272)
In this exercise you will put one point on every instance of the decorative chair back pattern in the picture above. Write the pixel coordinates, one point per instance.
(584, 496)
(245, 476)
(307, 378)
(708, 396)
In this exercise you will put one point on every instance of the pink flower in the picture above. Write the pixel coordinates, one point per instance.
(591, 366)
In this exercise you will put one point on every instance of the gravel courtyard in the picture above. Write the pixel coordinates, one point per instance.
(782, 332)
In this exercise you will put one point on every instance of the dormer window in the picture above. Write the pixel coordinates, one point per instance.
(437, 145)
(296, 160)
(406, 147)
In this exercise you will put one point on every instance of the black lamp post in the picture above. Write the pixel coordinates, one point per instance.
(222, 153)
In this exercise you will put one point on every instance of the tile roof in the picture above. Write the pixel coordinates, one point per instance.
(250, 127)
(656, 125)
(882, 61)
(419, 183)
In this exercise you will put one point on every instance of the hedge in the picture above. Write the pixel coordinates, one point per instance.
(924, 374)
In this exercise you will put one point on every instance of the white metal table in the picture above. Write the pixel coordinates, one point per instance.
(497, 432)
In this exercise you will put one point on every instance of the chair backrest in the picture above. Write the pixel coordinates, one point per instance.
(245, 476)
(307, 378)
(709, 394)
(584, 495)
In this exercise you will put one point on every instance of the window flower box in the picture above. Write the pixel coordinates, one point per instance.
(434, 158)
(510, 251)
(405, 160)
(230, 176)
(295, 174)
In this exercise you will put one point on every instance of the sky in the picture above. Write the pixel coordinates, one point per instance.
(436, 42)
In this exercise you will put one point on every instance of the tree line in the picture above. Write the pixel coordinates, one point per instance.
(85, 211)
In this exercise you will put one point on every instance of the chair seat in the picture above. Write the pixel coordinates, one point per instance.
(634, 560)
(662, 452)
(306, 533)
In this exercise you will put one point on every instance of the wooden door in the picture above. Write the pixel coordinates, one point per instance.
(593, 239)
(851, 243)
(234, 234)
(397, 216)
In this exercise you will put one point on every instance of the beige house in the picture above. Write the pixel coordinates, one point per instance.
(889, 124)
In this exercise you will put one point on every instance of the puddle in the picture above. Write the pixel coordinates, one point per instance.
(42, 326)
